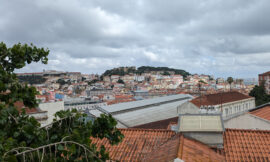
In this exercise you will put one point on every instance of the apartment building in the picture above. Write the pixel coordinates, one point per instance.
(227, 103)
(264, 78)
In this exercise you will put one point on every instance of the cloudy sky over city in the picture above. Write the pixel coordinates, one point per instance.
(216, 37)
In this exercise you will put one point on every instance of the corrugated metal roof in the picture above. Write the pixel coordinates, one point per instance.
(144, 111)
(143, 103)
(151, 114)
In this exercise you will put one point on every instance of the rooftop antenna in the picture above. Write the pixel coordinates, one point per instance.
(221, 109)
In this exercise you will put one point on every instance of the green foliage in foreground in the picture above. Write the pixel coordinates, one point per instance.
(66, 139)
(261, 97)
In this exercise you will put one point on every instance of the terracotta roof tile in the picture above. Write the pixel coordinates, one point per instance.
(263, 112)
(266, 73)
(136, 143)
(19, 105)
(218, 98)
(193, 150)
(185, 149)
(166, 152)
(246, 145)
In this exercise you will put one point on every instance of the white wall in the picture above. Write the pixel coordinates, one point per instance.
(52, 108)
(188, 108)
(229, 109)
(85, 106)
(247, 121)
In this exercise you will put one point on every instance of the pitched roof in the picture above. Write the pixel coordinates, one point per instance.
(266, 73)
(136, 143)
(158, 145)
(200, 123)
(161, 124)
(218, 98)
(183, 148)
(246, 145)
(19, 105)
(263, 112)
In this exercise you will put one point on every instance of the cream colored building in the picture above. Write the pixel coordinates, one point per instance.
(226, 103)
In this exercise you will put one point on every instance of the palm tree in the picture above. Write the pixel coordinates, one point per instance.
(230, 81)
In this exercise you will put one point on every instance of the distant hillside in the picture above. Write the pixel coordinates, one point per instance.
(32, 79)
(120, 71)
(145, 69)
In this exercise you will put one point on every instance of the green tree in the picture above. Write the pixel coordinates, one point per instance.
(120, 81)
(22, 138)
(166, 73)
(230, 81)
(260, 95)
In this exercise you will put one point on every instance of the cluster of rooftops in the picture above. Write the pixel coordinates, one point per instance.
(192, 137)
(158, 130)
(166, 145)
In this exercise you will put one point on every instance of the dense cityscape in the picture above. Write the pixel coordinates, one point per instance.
(134, 81)
(113, 88)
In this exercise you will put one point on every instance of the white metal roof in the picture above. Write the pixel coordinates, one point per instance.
(151, 114)
(141, 103)
(200, 123)
(144, 111)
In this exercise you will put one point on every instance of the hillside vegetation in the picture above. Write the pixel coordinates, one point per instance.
(32, 79)
(145, 69)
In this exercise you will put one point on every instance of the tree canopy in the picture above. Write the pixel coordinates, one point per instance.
(22, 138)
(143, 69)
(230, 81)
(120, 81)
(261, 97)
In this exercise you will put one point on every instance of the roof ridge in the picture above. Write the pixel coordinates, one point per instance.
(144, 129)
(246, 130)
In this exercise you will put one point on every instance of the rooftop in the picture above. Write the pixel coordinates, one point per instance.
(19, 105)
(136, 143)
(158, 145)
(165, 145)
(183, 148)
(143, 103)
(262, 112)
(266, 73)
(162, 124)
(218, 98)
(246, 145)
(143, 111)
(200, 123)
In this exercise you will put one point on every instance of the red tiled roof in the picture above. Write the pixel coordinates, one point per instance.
(263, 112)
(162, 124)
(185, 149)
(218, 98)
(136, 143)
(157, 145)
(196, 151)
(19, 105)
(166, 152)
(247, 145)
(266, 73)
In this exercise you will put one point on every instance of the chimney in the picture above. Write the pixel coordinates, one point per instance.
(206, 128)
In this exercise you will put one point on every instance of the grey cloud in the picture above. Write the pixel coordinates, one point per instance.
(200, 36)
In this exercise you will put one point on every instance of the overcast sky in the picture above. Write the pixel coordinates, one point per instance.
(216, 37)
